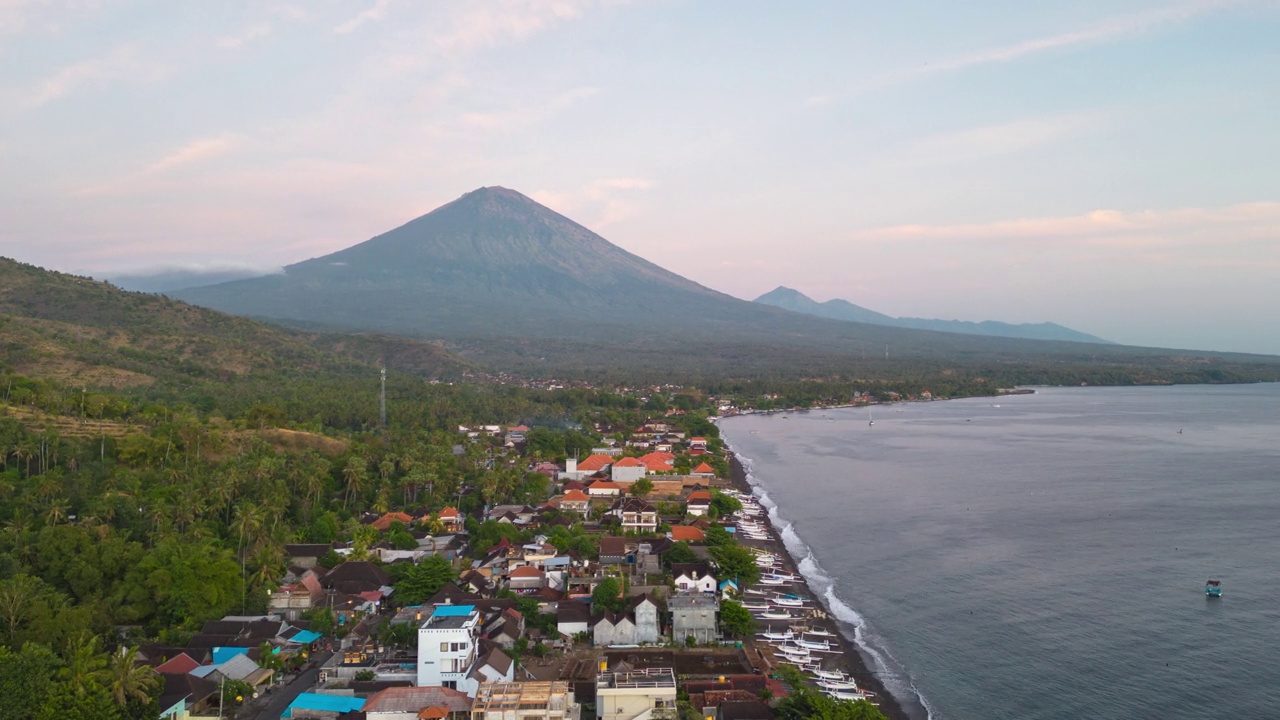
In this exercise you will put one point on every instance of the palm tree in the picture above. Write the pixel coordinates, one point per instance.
(129, 680)
(354, 473)
(85, 666)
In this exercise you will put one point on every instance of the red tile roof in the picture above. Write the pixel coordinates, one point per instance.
(449, 512)
(526, 571)
(604, 485)
(701, 495)
(628, 462)
(595, 462)
(687, 533)
(575, 495)
(384, 522)
(704, 468)
(697, 440)
(180, 664)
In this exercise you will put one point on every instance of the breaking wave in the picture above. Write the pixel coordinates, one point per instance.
(895, 678)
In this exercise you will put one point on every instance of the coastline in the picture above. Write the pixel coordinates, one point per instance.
(851, 658)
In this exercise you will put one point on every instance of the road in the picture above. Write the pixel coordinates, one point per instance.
(270, 706)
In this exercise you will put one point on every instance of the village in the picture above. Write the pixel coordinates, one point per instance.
(649, 585)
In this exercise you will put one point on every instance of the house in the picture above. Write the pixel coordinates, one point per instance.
(645, 613)
(356, 576)
(729, 589)
(310, 705)
(614, 551)
(575, 501)
(694, 615)
(699, 503)
(447, 647)
(635, 694)
(494, 666)
(604, 488)
(693, 577)
(573, 618)
(183, 695)
(452, 519)
(697, 446)
(306, 556)
(704, 470)
(385, 522)
(613, 629)
(686, 533)
(409, 703)
(627, 470)
(517, 434)
(636, 515)
(658, 462)
(525, 579)
(548, 700)
(593, 464)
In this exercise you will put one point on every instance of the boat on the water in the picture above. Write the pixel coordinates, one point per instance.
(1213, 588)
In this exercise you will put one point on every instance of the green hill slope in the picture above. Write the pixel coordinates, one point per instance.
(77, 330)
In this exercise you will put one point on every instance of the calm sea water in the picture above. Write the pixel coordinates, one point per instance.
(1044, 556)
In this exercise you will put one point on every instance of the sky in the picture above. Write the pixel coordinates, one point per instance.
(1110, 166)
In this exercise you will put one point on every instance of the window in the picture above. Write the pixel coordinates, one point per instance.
(444, 647)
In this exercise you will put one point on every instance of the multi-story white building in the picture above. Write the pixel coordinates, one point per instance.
(447, 647)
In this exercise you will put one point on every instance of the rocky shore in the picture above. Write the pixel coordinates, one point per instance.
(850, 660)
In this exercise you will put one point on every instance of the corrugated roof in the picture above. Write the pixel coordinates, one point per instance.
(324, 703)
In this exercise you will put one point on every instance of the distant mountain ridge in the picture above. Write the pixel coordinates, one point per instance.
(837, 309)
(516, 287)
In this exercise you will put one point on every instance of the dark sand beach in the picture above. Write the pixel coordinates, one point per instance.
(850, 659)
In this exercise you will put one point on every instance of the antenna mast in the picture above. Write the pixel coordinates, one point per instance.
(382, 402)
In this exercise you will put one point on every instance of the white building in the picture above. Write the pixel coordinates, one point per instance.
(447, 647)
(648, 694)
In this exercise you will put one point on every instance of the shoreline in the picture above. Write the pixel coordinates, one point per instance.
(851, 659)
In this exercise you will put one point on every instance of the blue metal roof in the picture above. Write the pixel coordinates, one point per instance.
(453, 610)
(305, 636)
(223, 654)
(324, 703)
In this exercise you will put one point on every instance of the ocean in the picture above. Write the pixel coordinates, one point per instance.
(1043, 556)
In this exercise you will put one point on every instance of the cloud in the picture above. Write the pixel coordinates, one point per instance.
(1207, 229)
(122, 63)
(245, 36)
(192, 152)
(373, 14)
(511, 119)
(1110, 30)
(1116, 28)
(1002, 138)
(494, 23)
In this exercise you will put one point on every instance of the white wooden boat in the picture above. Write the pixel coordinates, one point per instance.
(777, 615)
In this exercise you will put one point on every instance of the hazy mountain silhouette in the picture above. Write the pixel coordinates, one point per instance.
(519, 287)
(837, 309)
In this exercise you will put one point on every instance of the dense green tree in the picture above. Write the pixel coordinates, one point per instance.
(724, 505)
(806, 701)
(26, 679)
(736, 620)
(716, 535)
(679, 552)
(182, 584)
(607, 595)
(736, 562)
(419, 582)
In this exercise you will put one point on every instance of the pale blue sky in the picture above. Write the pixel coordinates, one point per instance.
(1112, 166)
